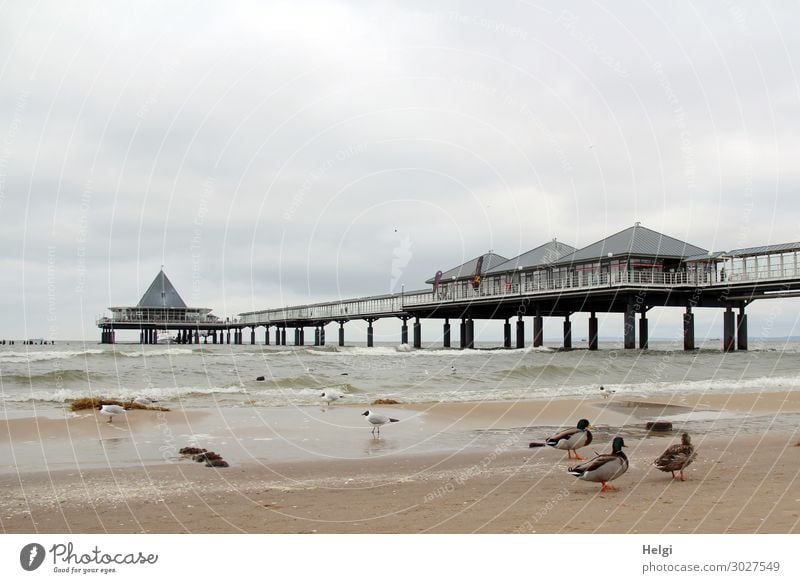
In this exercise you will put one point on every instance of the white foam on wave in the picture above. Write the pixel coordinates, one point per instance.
(162, 352)
(36, 356)
(765, 384)
(122, 394)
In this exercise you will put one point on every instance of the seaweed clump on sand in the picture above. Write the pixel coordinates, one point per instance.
(385, 402)
(211, 458)
(94, 402)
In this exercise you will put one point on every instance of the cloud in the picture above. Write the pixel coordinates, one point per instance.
(294, 152)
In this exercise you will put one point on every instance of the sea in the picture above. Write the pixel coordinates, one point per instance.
(42, 379)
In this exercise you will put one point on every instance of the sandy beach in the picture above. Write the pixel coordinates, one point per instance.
(448, 468)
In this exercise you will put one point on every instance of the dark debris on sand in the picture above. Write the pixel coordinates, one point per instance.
(211, 458)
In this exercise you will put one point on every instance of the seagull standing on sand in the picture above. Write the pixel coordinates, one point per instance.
(111, 410)
(378, 420)
(606, 392)
(330, 396)
(452, 369)
(143, 401)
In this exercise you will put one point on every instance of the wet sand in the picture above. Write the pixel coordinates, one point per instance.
(444, 468)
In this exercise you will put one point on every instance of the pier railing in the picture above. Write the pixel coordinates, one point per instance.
(395, 304)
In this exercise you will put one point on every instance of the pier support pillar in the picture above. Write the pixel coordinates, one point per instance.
(297, 336)
(253, 335)
(228, 337)
(213, 337)
(567, 333)
(266, 336)
(630, 326)
(283, 336)
(322, 335)
(446, 333)
(404, 331)
(316, 335)
(155, 336)
(141, 337)
(302, 336)
(538, 331)
(741, 329)
(417, 333)
(728, 338)
(593, 343)
(688, 330)
(507, 334)
(462, 340)
(470, 329)
(341, 333)
(196, 336)
(644, 339)
(370, 334)
(520, 333)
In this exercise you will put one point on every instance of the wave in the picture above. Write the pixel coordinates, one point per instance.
(37, 356)
(54, 376)
(161, 352)
(161, 394)
(536, 371)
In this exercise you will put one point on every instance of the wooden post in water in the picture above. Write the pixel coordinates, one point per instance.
(593, 343)
(728, 340)
(741, 328)
(688, 329)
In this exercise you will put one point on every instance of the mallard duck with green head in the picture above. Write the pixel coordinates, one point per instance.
(677, 457)
(603, 468)
(569, 439)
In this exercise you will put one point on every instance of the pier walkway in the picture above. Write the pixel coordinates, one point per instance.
(629, 272)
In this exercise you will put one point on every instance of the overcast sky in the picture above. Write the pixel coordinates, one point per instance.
(301, 151)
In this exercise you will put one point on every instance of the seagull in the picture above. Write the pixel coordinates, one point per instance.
(452, 369)
(330, 396)
(378, 420)
(111, 410)
(607, 392)
(142, 400)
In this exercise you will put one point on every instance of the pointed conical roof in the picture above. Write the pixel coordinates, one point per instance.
(636, 240)
(161, 294)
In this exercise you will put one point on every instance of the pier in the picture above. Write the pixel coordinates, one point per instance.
(161, 309)
(628, 273)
